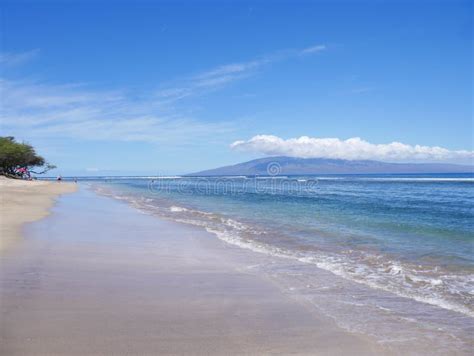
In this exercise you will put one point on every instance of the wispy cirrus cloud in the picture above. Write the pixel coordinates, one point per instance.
(313, 49)
(76, 111)
(207, 81)
(223, 75)
(351, 149)
(70, 111)
(13, 59)
(230, 69)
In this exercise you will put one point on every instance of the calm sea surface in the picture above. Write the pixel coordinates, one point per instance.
(409, 236)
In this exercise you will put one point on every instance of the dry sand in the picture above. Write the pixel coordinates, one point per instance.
(97, 277)
(24, 201)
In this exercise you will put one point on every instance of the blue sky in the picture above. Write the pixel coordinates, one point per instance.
(174, 87)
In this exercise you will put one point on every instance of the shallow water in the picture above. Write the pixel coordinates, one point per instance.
(388, 237)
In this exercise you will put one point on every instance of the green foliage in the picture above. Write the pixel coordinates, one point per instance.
(15, 155)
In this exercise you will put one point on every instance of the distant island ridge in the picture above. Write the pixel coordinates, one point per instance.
(308, 166)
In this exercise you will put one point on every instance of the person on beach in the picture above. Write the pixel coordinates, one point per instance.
(59, 178)
(23, 173)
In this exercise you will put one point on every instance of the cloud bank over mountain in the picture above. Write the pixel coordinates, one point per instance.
(351, 149)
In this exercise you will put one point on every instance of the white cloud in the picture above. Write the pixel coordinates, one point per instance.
(223, 75)
(230, 69)
(69, 111)
(35, 109)
(313, 49)
(12, 59)
(351, 149)
(208, 81)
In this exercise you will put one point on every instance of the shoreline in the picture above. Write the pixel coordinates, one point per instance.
(100, 277)
(401, 323)
(24, 201)
(147, 284)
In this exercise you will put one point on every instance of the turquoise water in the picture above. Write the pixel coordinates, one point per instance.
(406, 234)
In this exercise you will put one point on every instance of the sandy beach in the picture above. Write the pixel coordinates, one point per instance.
(98, 277)
(236, 178)
(25, 201)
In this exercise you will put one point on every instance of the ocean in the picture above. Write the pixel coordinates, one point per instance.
(370, 251)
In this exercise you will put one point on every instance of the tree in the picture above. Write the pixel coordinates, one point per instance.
(17, 157)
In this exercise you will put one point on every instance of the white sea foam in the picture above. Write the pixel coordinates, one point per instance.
(363, 274)
(177, 209)
(125, 177)
(410, 179)
(392, 276)
(398, 179)
(233, 177)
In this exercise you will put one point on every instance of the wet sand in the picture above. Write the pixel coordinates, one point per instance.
(98, 277)
(25, 201)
